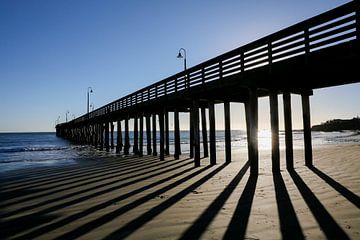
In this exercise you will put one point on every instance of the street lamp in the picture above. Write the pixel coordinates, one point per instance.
(187, 84)
(89, 90)
(67, 112)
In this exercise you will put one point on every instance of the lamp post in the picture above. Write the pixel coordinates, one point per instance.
(187, 84)
(67, 112)
(89, 90)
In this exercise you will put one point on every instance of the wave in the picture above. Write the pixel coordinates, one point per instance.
(31, 149)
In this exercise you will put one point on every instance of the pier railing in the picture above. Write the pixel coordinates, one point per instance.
(334, 27)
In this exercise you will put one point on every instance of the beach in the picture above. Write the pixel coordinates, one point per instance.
(144, 198)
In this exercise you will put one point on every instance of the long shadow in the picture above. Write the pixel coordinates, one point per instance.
(110, 216)
(13, 226)
(92, 195)
(99, 207)
(201, 224)
(289, 223)
(87, 179)
(45, 180)
(327, 223)
(85, 190)
(238, 224)
(135, 224)
(349, 195)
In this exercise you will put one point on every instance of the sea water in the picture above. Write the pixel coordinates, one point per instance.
(28, 150)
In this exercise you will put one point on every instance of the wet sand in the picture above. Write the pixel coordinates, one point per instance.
(144, 198)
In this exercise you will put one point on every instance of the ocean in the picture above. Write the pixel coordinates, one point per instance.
(29, 150)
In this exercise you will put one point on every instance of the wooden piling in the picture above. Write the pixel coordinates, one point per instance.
(101, 136)
(162, 135)
(107, 146)
(212, 133)
(307, 129)
(112, 135)
(288, 131)
(154, 135)
(127, 138)
(191, 137)
(136, 137)
(167, 140)
(251, 110)
(148, 135)
(141, 136)
(119, 143)
(274, 120)
(204, 132)
(196, 132)
(227, 132)
(177, 135)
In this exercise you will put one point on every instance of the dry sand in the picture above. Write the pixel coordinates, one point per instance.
(143, 198)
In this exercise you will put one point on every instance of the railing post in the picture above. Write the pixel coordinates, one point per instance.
(242, 64)
(202, 75)
(176, 84)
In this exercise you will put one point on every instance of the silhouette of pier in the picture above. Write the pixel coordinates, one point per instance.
(319, 52)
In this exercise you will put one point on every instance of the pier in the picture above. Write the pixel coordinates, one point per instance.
(319, 52)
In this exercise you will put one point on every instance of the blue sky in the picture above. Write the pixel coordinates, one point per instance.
(51, 51)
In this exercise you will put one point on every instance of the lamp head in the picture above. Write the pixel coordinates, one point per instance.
(179, 55)
(91, 91)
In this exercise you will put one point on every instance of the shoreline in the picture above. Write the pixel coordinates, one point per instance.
(143, 198)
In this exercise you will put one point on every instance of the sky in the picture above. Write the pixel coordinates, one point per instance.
(52, 51)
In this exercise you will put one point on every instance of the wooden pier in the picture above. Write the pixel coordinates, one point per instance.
(320, 52)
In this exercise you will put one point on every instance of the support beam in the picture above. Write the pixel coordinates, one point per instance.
(288, 131)
(141, 136)
(162, 135)
(204, 132)
(212, 133)
(112, 135)
(154, 135)
(101, 136)
(148, 135)
(191, 137)
(136, 137)
(274, 119)
(167, 140)
(177, 135)
(251, 109)
(107, 146)
(127, 138)
(307, 130)
(119, 143)
(196, 132)
(227, 132)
